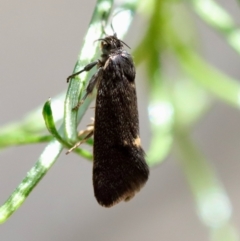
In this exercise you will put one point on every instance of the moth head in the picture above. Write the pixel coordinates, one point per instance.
(111, 43)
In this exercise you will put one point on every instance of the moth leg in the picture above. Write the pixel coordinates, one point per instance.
(93, 81)
(88, 132)
(86, 68)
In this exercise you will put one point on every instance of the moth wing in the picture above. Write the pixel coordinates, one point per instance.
(119, 168)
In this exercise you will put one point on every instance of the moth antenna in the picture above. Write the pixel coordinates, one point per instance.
(124, 44)
(104, 27)
(111, 25)
(114, 33)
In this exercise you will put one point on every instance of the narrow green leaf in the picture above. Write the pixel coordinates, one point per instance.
(22, 139)
(29, 129)
(49, 121)
(48, 117)
(46, 160)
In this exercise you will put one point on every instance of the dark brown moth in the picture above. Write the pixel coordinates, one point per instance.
(119, 166)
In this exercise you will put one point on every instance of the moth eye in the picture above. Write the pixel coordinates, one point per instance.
(105, 45)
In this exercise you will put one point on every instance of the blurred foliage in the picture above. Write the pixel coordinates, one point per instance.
(179, 95)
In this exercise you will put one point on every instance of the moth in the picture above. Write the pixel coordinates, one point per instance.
(119, 166)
